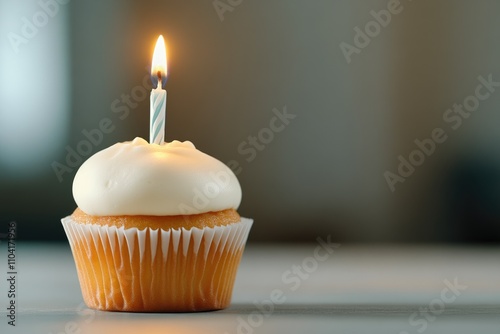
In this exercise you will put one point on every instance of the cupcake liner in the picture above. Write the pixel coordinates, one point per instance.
(155, 270)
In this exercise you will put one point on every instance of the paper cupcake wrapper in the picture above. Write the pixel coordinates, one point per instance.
(155, 270)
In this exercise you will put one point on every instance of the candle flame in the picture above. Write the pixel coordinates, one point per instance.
(159, 63)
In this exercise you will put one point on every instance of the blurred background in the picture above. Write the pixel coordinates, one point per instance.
(317, 105)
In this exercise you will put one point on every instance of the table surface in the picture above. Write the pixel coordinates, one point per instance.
(285, 289)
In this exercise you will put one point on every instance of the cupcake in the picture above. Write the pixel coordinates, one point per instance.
(156, 228)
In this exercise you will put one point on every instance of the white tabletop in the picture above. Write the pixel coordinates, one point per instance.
(286, 289)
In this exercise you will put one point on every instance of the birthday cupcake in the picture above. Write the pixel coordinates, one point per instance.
(156, 228)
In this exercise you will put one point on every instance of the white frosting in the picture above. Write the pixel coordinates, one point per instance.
(138, 178)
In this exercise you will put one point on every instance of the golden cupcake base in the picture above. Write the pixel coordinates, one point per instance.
(156, 270)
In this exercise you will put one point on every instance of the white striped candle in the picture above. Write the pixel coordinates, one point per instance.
(158, 101)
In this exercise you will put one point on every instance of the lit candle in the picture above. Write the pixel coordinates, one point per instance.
(158, 95)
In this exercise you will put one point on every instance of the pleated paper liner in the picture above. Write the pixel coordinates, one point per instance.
(157, 270)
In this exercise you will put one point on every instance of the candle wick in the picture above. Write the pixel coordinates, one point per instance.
(159, 79)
